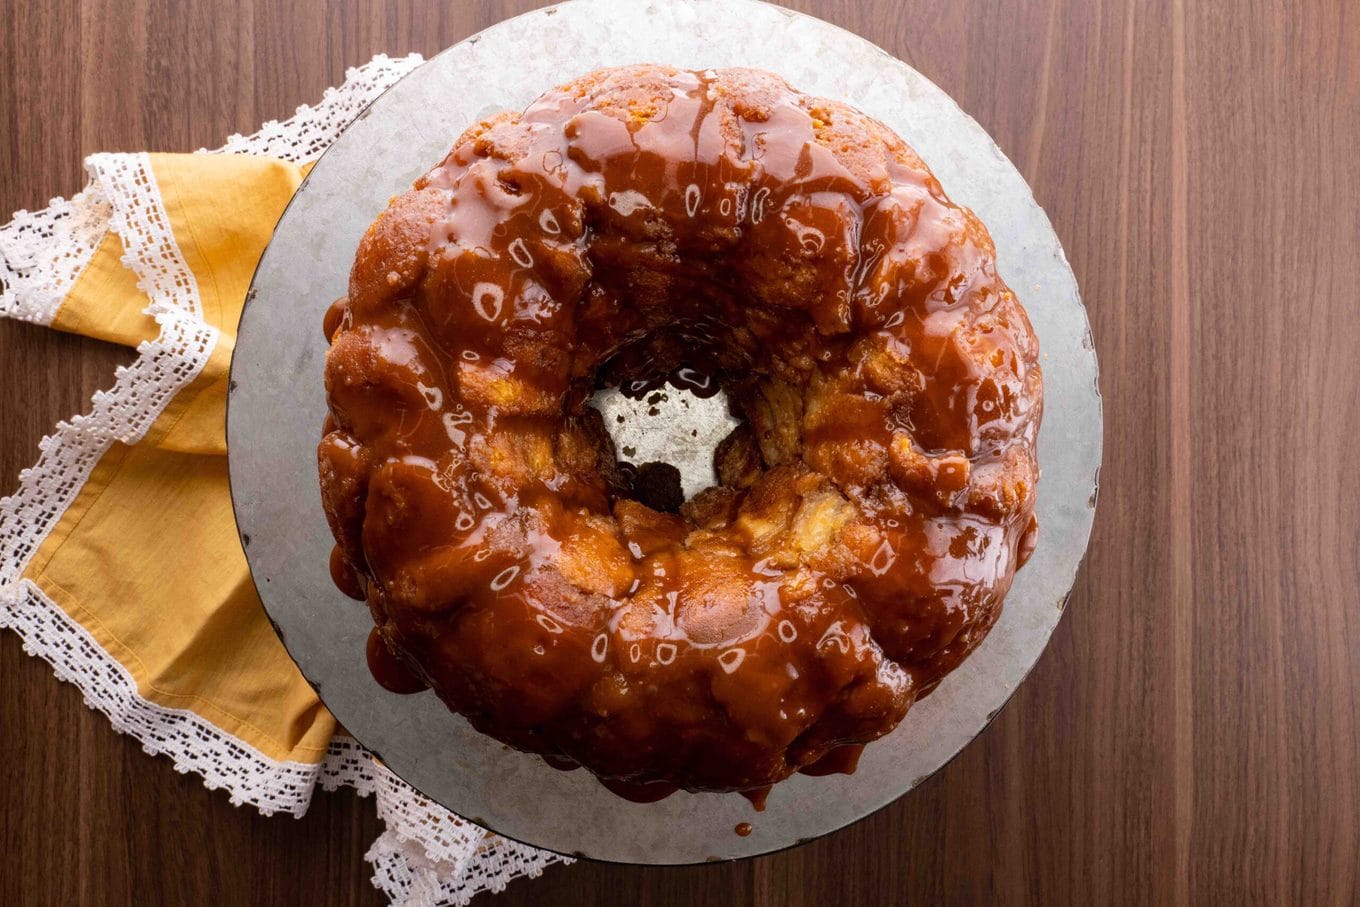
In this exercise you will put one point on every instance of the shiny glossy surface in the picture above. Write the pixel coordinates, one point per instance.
(639, 223)
(388, 669)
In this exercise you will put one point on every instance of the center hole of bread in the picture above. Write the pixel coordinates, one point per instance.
(667, 433)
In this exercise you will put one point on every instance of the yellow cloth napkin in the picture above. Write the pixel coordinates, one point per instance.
(153, 524)
(119, 558)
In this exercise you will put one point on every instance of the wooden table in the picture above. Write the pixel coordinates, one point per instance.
(1193, 731)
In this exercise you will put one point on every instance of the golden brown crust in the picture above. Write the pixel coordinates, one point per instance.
(874, 504)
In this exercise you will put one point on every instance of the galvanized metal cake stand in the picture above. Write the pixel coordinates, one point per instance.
(277, 406)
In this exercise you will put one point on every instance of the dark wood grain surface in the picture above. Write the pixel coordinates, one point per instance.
(1192, 733)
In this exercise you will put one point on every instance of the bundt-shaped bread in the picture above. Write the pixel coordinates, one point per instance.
(872, 507)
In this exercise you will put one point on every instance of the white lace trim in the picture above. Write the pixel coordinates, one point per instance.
(427, 856)
(139, 217)
(408, 878)
(43, 252)
(311, 130)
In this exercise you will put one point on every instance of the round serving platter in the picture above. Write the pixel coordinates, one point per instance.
(277, 405)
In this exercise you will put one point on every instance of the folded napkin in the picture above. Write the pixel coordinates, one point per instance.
(119, 559)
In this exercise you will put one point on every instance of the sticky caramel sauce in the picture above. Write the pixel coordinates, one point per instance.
(392, 674)
(843, 760)
(758, 796)
(639, 793)
(344, 576)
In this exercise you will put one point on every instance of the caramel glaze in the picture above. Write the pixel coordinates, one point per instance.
(757, 796)
(345, 577)
(388, 669)
(645, 222)
(843, 760)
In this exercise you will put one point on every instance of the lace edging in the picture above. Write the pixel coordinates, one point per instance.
(310, 130)
(43, 252)
(427, 856)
